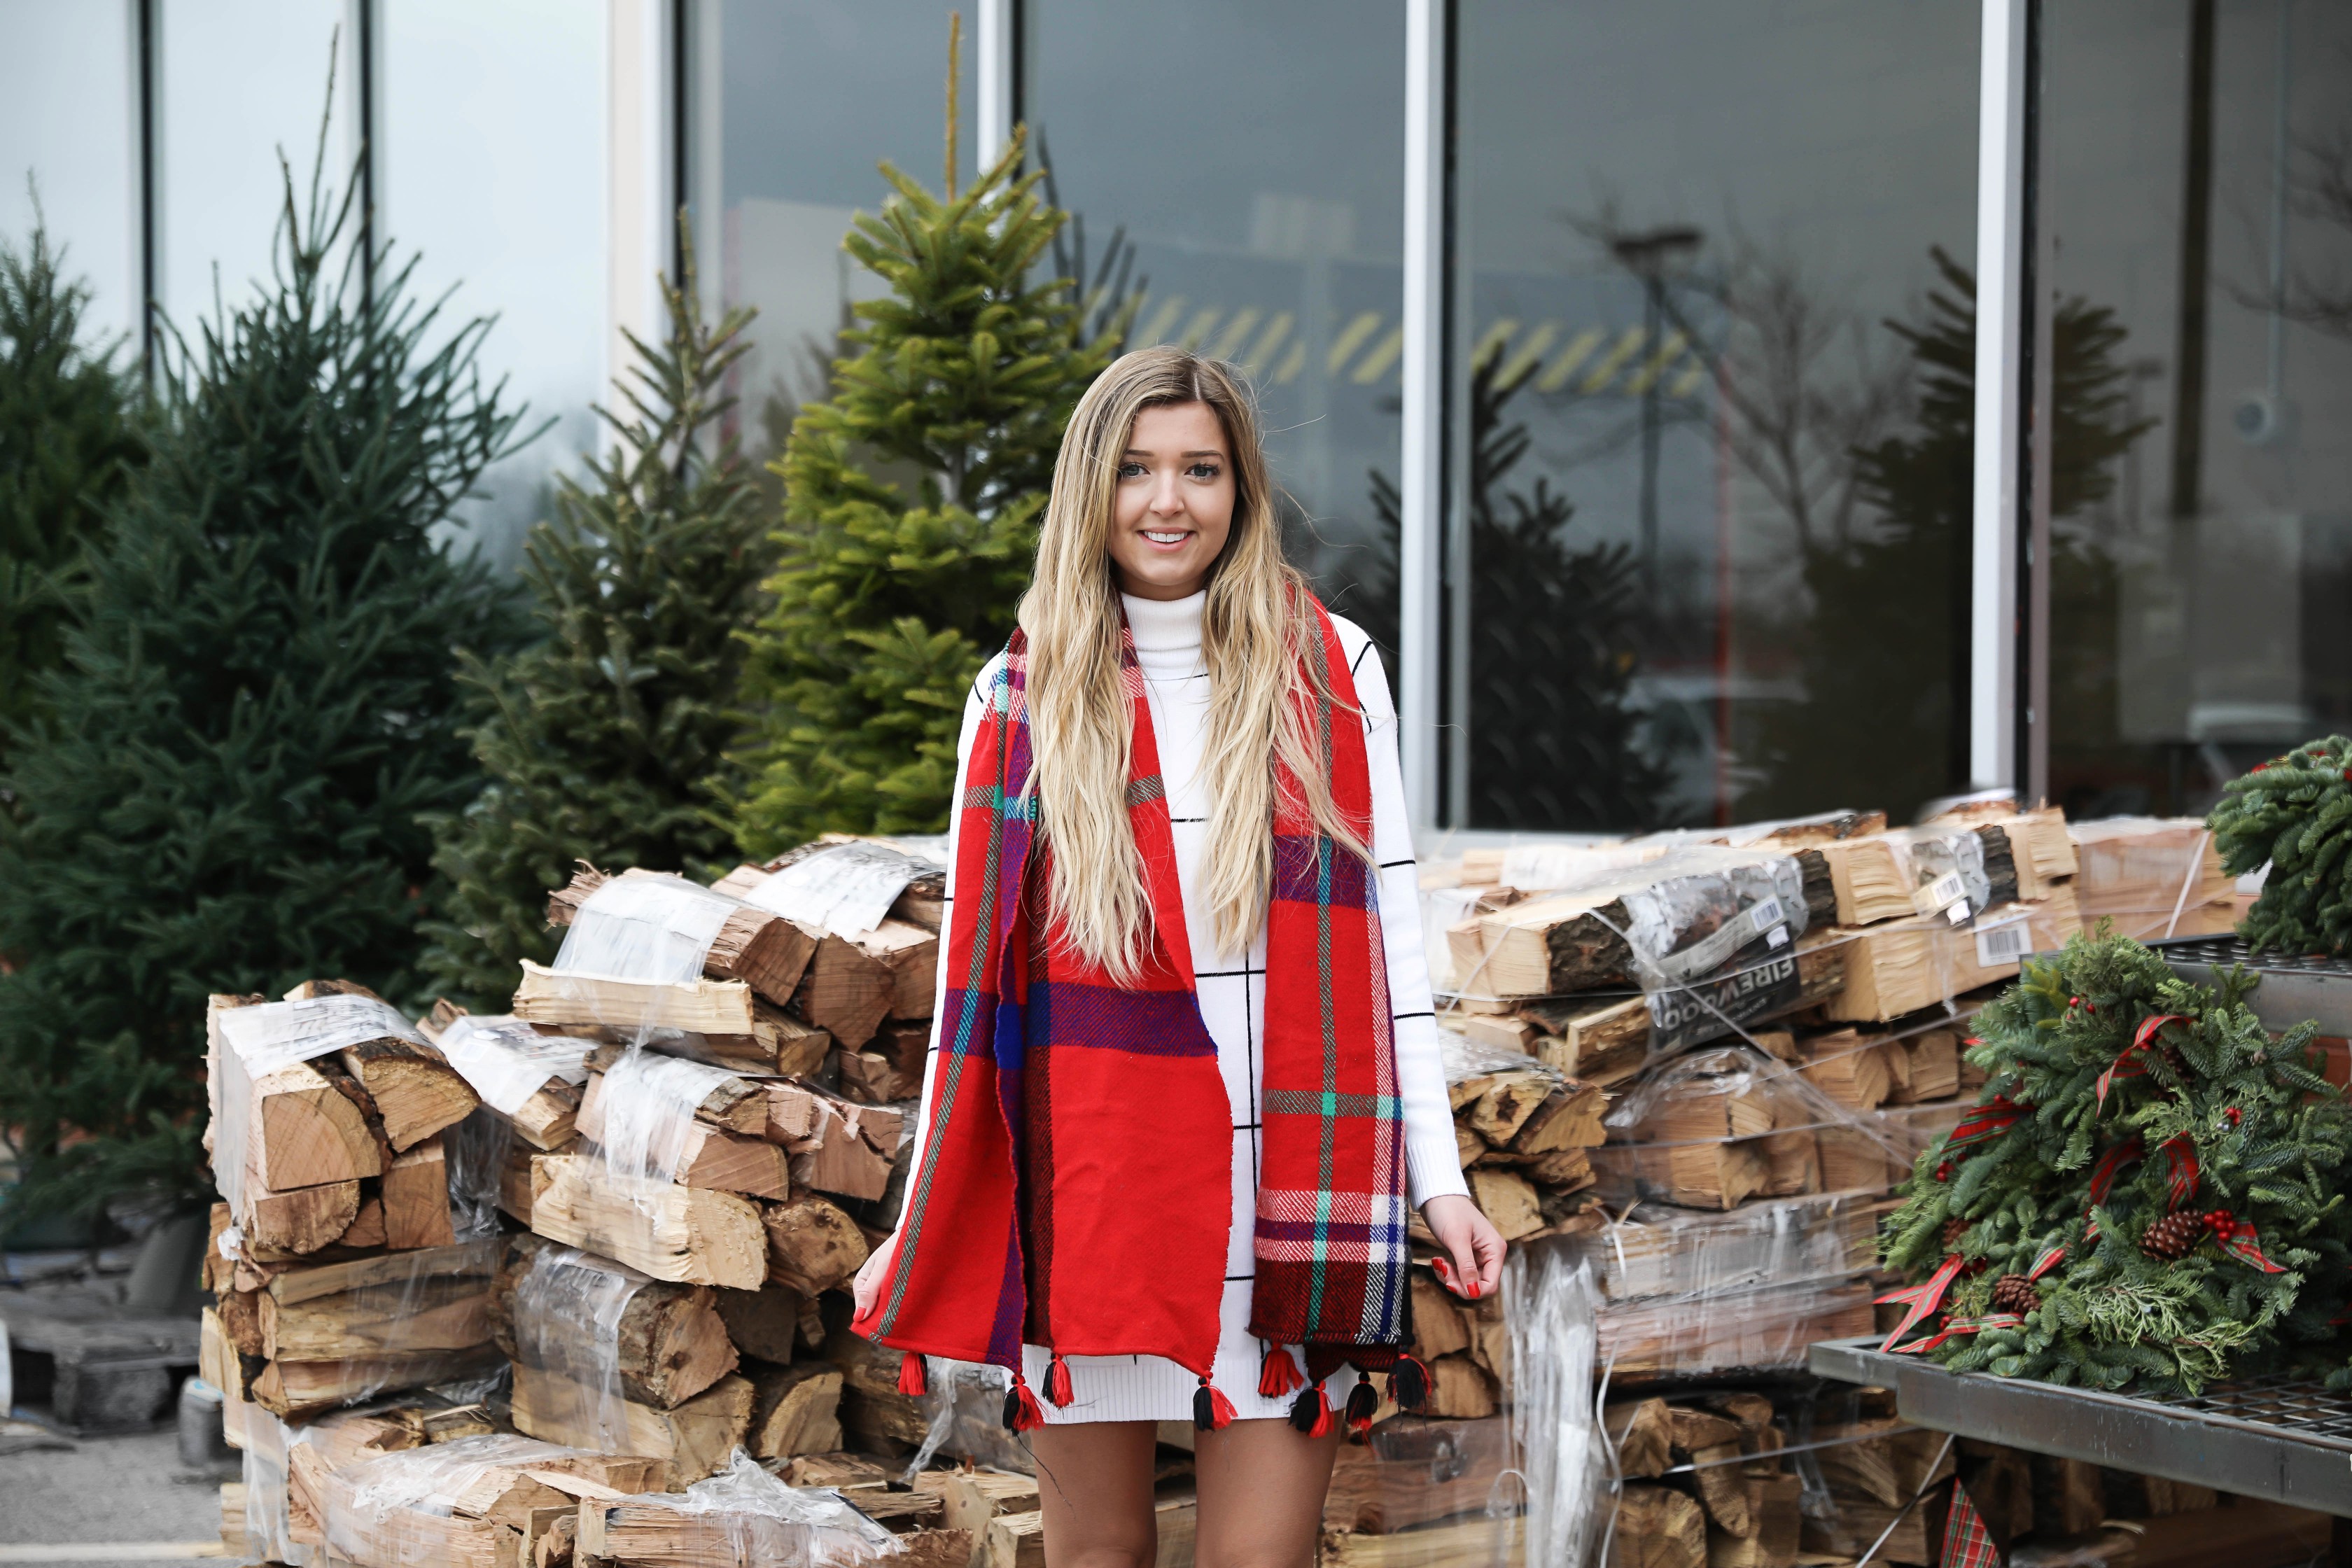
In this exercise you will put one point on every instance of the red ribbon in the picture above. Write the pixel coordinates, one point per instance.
(2046, 1262)
(1963, 1326)
(2237, 1238)
(2110, 1165)
(1987, 1121)
(1922, 1298)
(2180, 1173)
(2126, 1068)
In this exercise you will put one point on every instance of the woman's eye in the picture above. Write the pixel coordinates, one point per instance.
(1204, 471)
(1130, 470)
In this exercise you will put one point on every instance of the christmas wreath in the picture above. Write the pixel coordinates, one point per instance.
(2147, 1191)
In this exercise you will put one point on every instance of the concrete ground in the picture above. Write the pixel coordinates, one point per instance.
(128, 1489)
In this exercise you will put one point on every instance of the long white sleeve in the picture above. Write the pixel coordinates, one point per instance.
(1432, 1162)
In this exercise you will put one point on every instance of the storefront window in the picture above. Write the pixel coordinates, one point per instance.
(242, 81)
(67, 123)
(1252, 156)
(792, 106)
(1712, 408)
(2196, 189)
(520, 236)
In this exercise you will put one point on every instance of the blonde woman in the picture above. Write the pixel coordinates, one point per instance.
(1185, 1082)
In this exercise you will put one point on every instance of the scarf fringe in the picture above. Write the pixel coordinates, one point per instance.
(1363, 1404)
(1058, 1383)
(1408, 1383)
(911, 1375)
(1311, 1412)
(1021, 1411)
(1278, 1373)
(1212, 1411)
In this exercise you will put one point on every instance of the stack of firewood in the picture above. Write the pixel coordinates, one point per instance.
(337, 1267)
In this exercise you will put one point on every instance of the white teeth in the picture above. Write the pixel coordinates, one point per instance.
(1163, 538)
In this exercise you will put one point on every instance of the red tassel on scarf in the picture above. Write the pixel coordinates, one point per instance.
(1021, 1411)
(1278, 1374)
(910, 1374)
(1057, 1381)
(1311, 1412)
(1364, 1403)
(1212, 1411)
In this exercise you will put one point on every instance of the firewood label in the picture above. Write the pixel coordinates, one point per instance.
(1698, 1010)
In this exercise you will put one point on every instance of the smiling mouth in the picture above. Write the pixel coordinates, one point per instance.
(1158, 537)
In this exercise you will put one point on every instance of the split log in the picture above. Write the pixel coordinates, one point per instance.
(853, 983)
(1658, 1528)
(763, 1323)
(1643, 1431)
(811, 1246)
(416, 1198)
(794, 1410)
(301, 1221)
(711, 1158)
(1775, 1503)
(415, 1090)
(1710, 1444)
(545, 1119)
(871, 1078)
(737, 1105)
(1439, 1327)
(1460, 1388)
(1849, 1068)
(682, 1234)
(695, 1437)
(724, 1022)
(670, 1345)
(763, 950)
(1868, 880)
(366, 1233)
(837, 1146)
(1507, 1201)
(1693, 1176)
(872, 1408)
(1931, 1067)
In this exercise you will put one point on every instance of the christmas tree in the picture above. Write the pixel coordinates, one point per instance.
(602, 742)
(911, 503)
(258, 708)
(1555, 742)
(2292, 812)
(2148, 1190)
(68, 443)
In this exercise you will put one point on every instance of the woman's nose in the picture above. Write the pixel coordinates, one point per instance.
(1167, 497)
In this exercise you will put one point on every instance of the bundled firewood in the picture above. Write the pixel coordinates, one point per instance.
(746, 1515)
(484, 1502)
(1523, 1132)
(530, 1074)
(2153, 877)
(323, 1106)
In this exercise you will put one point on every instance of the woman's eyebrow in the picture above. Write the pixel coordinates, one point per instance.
(1197, 452)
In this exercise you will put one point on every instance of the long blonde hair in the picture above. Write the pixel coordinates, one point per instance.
(1256, 637)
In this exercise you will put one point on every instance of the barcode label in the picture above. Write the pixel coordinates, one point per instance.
(1764, 914)
(1946, 888)
(2003, 944)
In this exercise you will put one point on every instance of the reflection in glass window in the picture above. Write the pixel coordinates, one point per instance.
(1252, 157)
(243, 82)
(2196, 179)
(794, 102)
(1713, 407)
(520, 233)
(67, 123)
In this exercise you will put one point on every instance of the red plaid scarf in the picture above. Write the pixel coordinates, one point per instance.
(1074, 1184)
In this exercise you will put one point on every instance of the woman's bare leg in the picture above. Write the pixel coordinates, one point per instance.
(1261, 1486)
(1093, 1484)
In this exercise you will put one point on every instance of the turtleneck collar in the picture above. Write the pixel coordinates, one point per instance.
(1166, 626)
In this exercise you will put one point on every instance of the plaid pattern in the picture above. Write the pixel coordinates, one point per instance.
(1028, 1224)
(1966, 1543)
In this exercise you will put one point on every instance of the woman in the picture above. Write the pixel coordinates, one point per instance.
(1185, 1076)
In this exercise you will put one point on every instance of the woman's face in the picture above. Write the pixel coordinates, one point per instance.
(1173, 507)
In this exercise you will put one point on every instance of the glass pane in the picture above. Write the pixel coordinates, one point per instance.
(1712, 413)
(66, 123)
(520, 233)
(243, 82)
(795, 104)
(2201, 487)
(1252, 157)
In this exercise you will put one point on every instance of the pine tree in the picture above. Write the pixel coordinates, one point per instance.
(2162, 1175)
(2292, 812)
(68, 443)
(1555, 742)
(257, 709)
(911, 502)
(602, 742)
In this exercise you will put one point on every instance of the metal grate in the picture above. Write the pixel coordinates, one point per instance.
(2298, 1404)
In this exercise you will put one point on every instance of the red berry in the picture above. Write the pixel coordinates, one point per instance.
(2258, 767)
(2234, 1114)
(1944, 1171)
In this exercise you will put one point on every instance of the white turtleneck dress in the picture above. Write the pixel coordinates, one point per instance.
(1232, 989)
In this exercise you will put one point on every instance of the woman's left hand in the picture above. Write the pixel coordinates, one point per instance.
(1472, 1241)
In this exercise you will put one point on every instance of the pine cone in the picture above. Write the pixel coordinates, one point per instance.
(2173, 1235)
(1953, 1230)
(2015, 1293)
